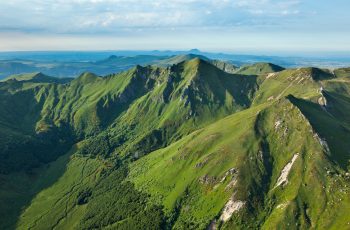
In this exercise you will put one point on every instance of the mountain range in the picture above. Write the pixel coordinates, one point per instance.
(73, 63)
(181, 142)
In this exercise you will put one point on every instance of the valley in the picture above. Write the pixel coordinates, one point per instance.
(184, 143)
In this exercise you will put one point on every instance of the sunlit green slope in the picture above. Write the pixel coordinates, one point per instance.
(243, 162)
(36, 78)
(187, 146)
(193, 178)
(259, 68)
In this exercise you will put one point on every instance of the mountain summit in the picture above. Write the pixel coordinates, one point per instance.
(190, 143)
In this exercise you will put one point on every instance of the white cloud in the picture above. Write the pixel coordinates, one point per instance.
(66, 16)
(163, 23)
(116, 16)
(269, 7)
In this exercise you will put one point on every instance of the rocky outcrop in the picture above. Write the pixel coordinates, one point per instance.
(283, 179)
(231, 207)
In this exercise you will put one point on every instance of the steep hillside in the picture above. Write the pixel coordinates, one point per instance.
(285, 165)
(259, 68)
(139, 105)
(186, 146)
(181, 58)
(143, 105)
(273, 172)
(223, 65)
(342, 72)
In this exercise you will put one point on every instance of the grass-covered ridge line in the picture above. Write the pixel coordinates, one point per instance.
(184, 146)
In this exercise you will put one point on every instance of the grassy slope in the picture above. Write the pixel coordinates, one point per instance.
(144, 103)
(148, 105)
(259, 68)
(180, 58)
(135, 106)
(81, 107)
(18, 189)
(56, 206)
(90, 98)
(223, 65)
(171, 175)
(36, 78)
(87, 193)
(214, 149)
(182, 102)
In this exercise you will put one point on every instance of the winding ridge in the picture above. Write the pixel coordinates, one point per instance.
(194, 144)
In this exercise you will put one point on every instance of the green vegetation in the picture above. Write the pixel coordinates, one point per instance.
(37, 78)
(191, 145)
(259, 68)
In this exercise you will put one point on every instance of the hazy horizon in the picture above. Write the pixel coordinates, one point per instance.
(283, 54)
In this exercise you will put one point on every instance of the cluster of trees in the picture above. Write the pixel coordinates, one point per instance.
(25, 153)
(97, 145)
(115, 202)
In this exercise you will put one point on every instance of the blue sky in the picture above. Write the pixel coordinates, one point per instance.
(244, 26)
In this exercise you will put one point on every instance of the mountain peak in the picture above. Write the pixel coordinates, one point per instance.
(193, 64)
(25, 77)
(112, 57)
(260, 68)
(36, 77)
(193, 56)
(39, 75)
(87, 77)
(316, 73)
(182, 58)
(195, 51)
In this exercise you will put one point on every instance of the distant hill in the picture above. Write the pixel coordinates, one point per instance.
(131, 61)
(342, 72)
(37, 78)
(259, 68)
(74, 63)
(225, 66)
(180, 58)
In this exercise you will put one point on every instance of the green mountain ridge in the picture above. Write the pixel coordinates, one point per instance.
(223, 65)
(36, 78)
(259, 68)
(184, 146)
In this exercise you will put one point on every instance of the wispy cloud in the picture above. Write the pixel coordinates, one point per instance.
(269, 8)
(243, 23)
(68, 16)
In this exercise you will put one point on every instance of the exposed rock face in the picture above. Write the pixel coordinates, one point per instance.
(206, 179)
(231, 207)
(229, 172)
(270, 75)
(322, 101)
(283, 179)
(277, 124)
(323, 142)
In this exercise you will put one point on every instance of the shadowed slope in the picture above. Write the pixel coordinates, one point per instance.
(227, 150)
